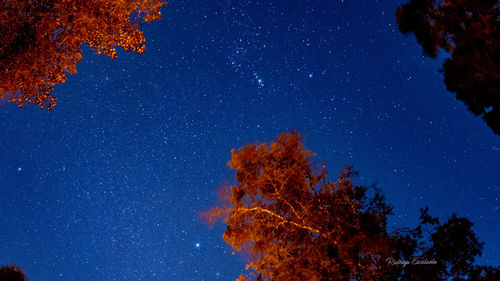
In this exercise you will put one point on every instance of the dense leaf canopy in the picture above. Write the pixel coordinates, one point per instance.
(11, 273)
(298, 226)
(470, 30)
(40, 40)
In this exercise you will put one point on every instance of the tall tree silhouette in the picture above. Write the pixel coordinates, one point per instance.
(453, 246)
(296, 225)
(11, 273)
(470, 30)
(40, 40)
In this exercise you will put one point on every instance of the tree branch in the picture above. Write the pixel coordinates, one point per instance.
(283, 219)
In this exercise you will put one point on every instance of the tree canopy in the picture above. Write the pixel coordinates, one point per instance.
(296, 225)
(470, 30)
(40, 40)
(11, 273)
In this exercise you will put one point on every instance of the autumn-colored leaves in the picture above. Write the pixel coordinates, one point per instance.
(41, 40)
(298, 226)
(291, 217)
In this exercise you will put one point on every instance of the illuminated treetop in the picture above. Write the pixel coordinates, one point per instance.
(40, 40)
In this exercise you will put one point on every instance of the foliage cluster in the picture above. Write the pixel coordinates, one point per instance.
(470, 31)
(40, 40)
(296, 225)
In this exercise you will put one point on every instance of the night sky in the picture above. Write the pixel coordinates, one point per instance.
(109, 185)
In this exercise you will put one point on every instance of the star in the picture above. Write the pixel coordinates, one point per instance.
(260, 82)
(259, 79)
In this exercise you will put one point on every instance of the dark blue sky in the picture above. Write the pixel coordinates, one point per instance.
(109, 185)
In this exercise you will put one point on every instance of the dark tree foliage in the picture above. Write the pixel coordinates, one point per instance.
(296, 225)
(453, 245)
(470, 30)
(484, 273)
(11, 273)
(40, 40)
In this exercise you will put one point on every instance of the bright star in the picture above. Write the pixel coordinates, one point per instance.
(197, 245)
(259, 80)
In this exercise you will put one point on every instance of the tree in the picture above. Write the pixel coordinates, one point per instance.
(298, 226)
(470, 30)
(11, 273)
(452, 245)
(41, 40)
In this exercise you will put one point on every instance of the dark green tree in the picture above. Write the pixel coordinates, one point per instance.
(470, 31)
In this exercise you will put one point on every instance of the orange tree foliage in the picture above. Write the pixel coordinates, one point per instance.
(470, 30)
(298, 226)
(40, 40)
(11, 273)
